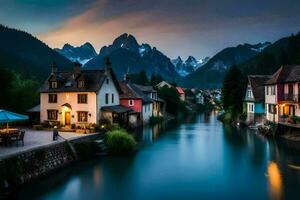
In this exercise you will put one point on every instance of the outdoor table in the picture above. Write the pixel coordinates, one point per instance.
(6, 134)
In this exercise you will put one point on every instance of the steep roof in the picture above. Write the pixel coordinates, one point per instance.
(145, 88)
(257, 83)
(179, 90)
(67, 81)
(285, 74)
(131, 90)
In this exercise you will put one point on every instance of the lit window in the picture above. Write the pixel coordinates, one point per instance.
(82, 98)
(53, 84)
(131, 102)
(82, 116)
(81, 84)
(52, 98)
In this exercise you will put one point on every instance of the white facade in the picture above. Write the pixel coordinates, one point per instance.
(147, 111)
(67, 106)
(271, 103)
(250, 107)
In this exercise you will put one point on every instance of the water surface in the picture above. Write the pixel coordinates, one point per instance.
(197, 159)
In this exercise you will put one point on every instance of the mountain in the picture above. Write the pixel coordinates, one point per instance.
(82, 54)
(27, 55)
(212, 73)
(190, 65)
(126, 54)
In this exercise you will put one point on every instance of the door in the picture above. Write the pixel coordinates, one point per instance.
(67, 118)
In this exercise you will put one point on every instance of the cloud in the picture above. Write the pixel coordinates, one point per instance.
(199, 27)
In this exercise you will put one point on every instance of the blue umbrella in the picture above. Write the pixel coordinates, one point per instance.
(7, 116)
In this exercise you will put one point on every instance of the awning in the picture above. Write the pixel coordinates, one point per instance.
(36, 108)
(67, 105)
(116, 109)
(7, 116)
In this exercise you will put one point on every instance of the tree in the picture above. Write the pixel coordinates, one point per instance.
(155, 79)
(140, 78)
(233, 91)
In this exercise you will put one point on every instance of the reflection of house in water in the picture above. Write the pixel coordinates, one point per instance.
(275, 181)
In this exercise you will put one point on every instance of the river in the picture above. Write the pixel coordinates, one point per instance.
(199, 158)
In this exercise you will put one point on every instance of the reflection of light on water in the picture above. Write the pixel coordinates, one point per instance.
(275, 181)
(97, 175)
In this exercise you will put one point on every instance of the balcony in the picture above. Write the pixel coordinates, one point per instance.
(291, 98)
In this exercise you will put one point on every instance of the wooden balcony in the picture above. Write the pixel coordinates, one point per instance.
(292, 98)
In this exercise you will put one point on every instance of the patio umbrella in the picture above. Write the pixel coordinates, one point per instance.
(7, 116)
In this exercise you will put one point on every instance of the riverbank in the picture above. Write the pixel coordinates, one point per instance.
(21, 167)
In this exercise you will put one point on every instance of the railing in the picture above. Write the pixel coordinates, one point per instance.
(291, 97)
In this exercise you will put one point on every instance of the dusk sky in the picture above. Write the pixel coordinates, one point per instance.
(186, 27)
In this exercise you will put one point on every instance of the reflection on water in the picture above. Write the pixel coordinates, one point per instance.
(275, 181)
(197, 158)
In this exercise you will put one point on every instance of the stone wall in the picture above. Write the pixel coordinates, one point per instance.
(26, 166)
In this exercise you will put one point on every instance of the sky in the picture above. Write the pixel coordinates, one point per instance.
(176, 27)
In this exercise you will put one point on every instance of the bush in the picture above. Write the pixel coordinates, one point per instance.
(38, 127)
(120, 142)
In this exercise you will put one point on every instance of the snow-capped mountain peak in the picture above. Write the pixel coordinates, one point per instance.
(188, 66)
(81, 54)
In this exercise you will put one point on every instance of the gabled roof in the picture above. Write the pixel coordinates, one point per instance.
(285, 74)
(257, 83)
(131, 90)
(179, 90)
(67, 81)
(163, 83)
(144, 88)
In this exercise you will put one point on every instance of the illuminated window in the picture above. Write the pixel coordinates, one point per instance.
(81, 84)
(82, 98)
(52, 98)
(53, 84)
(131, 102)
(82, 116)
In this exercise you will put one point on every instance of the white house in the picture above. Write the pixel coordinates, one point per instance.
(81, 97)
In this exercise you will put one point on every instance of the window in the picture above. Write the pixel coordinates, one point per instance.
(251, 108)
(52, 114)
(271, 108)
(82, 116)
(249, 94)
(81, 84)
(112, 98)
(272, 89)
(52, 98)
(82, 98)
(267, 90)
(106, 98)
(53, 84)
(107, 81)
(131, 102)
(290, 89)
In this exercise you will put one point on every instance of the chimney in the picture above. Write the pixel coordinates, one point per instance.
(77, 67)
(127, 76)
(107, 66)
(53, 68)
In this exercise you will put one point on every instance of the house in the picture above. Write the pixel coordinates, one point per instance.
(181, 93)
(163, 84)
(158, 104)
(282, 94)
(199, 97)
(255, 97)
(134, 99)
(81, 97)
(190, 96)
